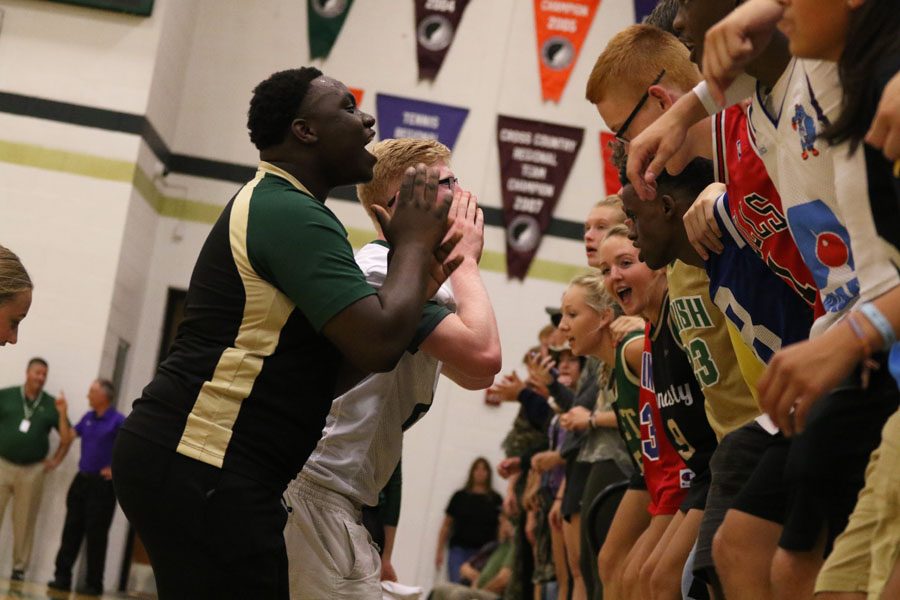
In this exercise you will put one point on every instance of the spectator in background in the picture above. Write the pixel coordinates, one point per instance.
(91, 501)
(527, 437)
(489, 570)
(15, 295)
(27, 414)
(471, 519)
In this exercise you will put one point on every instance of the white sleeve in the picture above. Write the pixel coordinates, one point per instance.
(742, 88)
(372, 261)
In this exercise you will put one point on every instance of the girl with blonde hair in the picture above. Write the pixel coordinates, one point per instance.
(15, 295)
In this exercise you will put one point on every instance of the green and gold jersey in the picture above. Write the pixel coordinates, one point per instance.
(250, 377)
(704, 333)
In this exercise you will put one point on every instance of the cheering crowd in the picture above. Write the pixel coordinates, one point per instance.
(760, 247)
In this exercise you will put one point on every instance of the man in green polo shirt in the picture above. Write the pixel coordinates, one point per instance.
(27, 414)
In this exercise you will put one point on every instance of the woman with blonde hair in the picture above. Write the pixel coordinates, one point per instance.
(15, 295)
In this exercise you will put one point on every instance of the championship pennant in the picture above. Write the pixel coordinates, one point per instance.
(642, 8)
(535, 161)
(436, 23)
(610, 172)
(325, 18)
(561, 27)
(407, 118)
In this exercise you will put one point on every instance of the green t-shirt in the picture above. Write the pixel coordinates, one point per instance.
(501, 557)
(31, 446)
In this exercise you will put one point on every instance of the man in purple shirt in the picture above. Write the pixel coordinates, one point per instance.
(91, 501)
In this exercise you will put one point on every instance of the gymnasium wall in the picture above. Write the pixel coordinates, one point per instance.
(105, 233)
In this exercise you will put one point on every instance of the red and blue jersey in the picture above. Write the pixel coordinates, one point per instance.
(755, 207)
(668, 478)
(764, 308)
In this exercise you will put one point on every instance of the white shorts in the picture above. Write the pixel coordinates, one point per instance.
(330, 552)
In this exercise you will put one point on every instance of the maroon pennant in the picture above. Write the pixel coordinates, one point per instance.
(535, 161)
(436, 23)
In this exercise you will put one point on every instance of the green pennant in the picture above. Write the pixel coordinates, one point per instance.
(325, 18)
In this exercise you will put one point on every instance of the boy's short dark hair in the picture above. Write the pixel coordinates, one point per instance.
(691, 181)
(275, 104)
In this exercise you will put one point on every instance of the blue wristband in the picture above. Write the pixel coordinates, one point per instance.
(879, 322)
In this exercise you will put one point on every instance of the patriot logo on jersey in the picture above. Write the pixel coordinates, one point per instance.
(825, 246)
(805, 125)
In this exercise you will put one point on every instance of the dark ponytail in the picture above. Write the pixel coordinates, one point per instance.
(872, 36)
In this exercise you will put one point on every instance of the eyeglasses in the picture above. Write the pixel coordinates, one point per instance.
(450, 182)
(620, 134)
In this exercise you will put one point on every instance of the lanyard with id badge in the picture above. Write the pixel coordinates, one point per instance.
(28, 411)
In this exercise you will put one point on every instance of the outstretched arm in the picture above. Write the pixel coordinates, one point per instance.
(66, 434)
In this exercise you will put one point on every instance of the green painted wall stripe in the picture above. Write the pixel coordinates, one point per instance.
(30, 155)
(176, 208)
(98, 167)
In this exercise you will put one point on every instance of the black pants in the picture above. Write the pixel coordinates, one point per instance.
(210, 533)
(602, 474)
(826, 464)
(90, 504)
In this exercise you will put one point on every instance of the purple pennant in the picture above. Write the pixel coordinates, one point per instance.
(408, 118)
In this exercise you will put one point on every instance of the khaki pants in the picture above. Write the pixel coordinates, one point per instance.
(865, 553)
(25, 484)
(330, 552)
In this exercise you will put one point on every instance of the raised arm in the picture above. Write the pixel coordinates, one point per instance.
(662, 144)
(468, 343)
(739, 43)
(66, 434)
